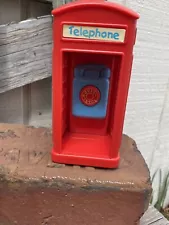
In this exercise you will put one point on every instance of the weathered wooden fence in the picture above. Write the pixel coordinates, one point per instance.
(25, 52)
(24, 47)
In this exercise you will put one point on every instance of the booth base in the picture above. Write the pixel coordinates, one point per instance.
(85, 161)
(33, 190)
(86, 150)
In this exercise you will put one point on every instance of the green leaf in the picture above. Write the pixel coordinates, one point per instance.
(152, 179)
(162, 189)
(165, 189)
(157, 204)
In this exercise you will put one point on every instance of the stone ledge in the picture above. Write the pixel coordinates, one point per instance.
(26, 170)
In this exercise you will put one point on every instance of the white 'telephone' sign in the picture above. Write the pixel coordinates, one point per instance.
(94, 33)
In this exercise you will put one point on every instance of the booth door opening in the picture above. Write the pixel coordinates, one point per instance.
(91, 80)
(89, 94)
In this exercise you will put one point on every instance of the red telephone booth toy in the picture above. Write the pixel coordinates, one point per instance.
(92, 59)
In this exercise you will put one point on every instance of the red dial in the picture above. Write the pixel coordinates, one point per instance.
(90, 95)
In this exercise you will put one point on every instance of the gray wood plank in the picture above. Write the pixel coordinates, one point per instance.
(57, 3)
(153, 217)
(25, 52)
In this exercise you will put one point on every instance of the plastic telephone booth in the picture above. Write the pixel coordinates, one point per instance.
(92, 60)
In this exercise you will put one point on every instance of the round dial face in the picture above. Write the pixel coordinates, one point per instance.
(90, 95)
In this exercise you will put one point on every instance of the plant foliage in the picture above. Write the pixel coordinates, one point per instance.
(163, 184)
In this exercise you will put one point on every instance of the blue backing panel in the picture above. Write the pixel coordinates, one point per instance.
(98, 76)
